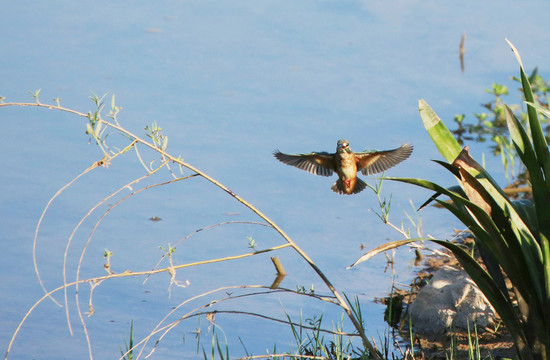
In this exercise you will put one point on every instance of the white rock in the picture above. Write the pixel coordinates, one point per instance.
(450, 300)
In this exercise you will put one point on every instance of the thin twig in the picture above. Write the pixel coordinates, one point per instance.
(166, 328)
(372, 350)
(35, 240)
(203, 229)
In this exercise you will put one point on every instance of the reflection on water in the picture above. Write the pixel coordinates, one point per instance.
(228, 83)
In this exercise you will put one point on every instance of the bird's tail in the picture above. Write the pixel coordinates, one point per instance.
(340, 188)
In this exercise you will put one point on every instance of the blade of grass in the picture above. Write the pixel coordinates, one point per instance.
(539, 140)
(541, 195)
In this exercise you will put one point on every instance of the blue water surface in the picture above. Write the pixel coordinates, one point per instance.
(228, 82)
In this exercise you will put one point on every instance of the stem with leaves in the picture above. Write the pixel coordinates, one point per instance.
(97, 129)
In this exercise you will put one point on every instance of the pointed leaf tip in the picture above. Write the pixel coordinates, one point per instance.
(516, 52)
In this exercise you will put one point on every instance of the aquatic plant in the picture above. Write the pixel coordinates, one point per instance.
(512, 237)
(491, 125)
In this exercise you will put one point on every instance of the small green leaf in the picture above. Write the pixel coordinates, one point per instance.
(89, 129)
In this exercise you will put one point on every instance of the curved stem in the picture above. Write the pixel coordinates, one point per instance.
(359, 327)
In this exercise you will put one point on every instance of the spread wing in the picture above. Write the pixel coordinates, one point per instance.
(321, 163)
(377, 161)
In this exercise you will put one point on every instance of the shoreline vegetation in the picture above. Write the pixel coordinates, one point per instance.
(512, 237)
(455, 343)
(507, 252)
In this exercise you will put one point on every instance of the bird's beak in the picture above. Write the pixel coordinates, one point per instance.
(345, 147)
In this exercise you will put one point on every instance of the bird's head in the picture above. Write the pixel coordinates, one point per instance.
(343, 145)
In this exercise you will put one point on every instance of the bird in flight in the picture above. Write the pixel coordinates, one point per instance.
(346, 164)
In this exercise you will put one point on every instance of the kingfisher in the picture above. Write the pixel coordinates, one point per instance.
(346, 163)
